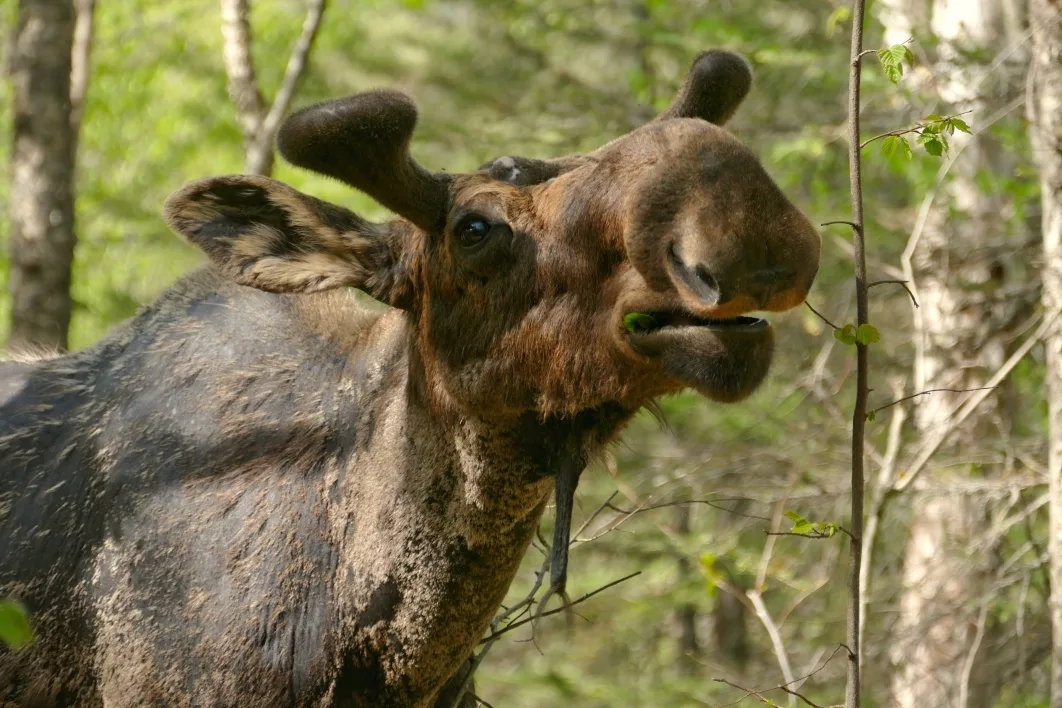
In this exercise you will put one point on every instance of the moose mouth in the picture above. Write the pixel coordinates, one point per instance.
(725, 359)
(640, 324)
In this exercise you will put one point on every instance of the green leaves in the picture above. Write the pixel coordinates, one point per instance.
(811, 529)
(935, 129)
(863, 334)
(16, 631)
(892, 59)
(867, 334)
(932, 135)
(893, 143)
(638, 322)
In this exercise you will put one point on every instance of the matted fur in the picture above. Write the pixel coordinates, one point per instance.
(256, 493)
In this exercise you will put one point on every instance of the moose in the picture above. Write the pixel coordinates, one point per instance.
(258, 493)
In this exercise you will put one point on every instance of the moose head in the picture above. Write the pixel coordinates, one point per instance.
(549, 285)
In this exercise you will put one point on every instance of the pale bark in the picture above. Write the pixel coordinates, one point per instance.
(1044, 105)
(957, 347)
(42, 175)
(259, 121)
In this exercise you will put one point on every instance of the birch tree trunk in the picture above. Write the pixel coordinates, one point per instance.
(958, 345)
(42, 175)
(1045, 117)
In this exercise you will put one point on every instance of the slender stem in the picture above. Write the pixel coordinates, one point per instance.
(859, 415)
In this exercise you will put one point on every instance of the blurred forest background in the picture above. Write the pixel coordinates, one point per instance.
(956, 582)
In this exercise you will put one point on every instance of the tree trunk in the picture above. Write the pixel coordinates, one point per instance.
(42, 175)
(1045, 116)
(958, 346)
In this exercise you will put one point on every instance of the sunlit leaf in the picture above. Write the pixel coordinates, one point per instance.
(959, 124)
(16, 631)
(846, 334)
(867, 334)
(892, 59)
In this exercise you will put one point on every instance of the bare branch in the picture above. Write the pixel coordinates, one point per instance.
(777, 644)
(902, 283)
(515, 625)
(854, 225)
(820, 315)
(782, 687)
(932, 390)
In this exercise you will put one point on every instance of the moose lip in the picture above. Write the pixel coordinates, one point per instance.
(678, 319)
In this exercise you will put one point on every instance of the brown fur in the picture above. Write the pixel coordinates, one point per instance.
(269, 496)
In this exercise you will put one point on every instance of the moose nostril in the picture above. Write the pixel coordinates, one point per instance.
(697, 279)
(706, 278)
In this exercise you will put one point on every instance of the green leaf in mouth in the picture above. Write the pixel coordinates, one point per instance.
(15, 628)
(638, 322)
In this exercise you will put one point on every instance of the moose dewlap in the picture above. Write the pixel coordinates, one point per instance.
(256, 494)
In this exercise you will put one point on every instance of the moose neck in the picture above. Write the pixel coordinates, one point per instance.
(435, 514)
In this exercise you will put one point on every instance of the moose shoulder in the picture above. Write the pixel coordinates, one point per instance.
(255, 493)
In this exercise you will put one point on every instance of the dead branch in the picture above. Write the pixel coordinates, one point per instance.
(932, 390)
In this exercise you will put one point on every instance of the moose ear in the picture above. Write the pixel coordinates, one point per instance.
(715, 86)
(266, 235)
(363, 140)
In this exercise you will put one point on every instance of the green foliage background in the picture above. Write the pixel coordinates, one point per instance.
(545, 78)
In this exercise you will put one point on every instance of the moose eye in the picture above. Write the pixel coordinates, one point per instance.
(472, 232)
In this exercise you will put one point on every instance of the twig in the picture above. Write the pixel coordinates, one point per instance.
(854, 225)
(971, 656)
(785, 686)
(763, 699)
(859, 415)
(821, 316)
(902, 283)
(932, 390)
(515, 625)
(772, 631)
